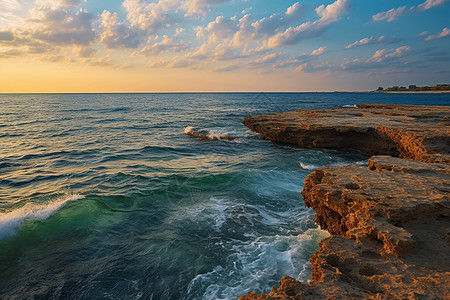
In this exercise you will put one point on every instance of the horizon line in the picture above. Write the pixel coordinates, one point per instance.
(186, 92)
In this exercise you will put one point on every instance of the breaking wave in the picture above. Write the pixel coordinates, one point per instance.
(11, 221)
(219, 133)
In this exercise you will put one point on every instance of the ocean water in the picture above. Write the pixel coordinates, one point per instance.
(109, 196)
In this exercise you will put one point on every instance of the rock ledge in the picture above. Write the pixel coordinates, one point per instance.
(390, 222)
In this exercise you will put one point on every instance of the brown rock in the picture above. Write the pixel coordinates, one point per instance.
(390, 222)
(417, 132)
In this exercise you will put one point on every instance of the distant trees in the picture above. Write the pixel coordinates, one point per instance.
(413, 87)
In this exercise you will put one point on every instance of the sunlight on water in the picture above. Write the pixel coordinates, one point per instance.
(171, 197)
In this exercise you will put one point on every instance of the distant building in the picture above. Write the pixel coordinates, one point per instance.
(412, 87)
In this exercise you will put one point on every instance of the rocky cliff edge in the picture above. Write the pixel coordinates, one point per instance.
(390, 221)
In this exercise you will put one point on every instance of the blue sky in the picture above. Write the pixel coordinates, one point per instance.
(223, 45)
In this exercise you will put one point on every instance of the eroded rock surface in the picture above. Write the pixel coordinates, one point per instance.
(390, 232)
(390, 221)
(408, 131)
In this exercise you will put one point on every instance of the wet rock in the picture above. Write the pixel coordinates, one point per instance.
(416, 132)
(389, 221)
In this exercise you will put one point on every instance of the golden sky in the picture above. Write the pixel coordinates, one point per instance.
(221, 45)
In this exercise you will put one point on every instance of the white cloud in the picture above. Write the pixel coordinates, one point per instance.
(266, 60)
(9, 13)
(247, 30)
(444, 33)
(319, 51)
(115, 34)
(166, 44)
(380, 59)
(432, 3)
(229, 67)
(385, 54)
(382, 40)
(333, 12)
(221, 29)
(423, 33)
(199, 7)
(390, 15)
(60, 26)
(395, 13)
(328, 15)
(84, 52)
(151, 16)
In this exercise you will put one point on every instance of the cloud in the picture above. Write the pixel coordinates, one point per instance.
(104, 61)
(58, 25)
(382, 40)
(8, 12)
(390, 15)
(266, 60)
(199, 7)
(247, 30)
(380, 59)
(117, 35)
(57, 4)
(328, 15)
(300, 59)
(333, 12)
(6, 36)
(10, 52)
(220, 29)
(84, 52)
(319, 51)
(423, 33)
(166, 44)
(395, 13)
(386, 54)
(230, 67)
(151, 16)
(308, 68)
(443, 34)
(431, 3)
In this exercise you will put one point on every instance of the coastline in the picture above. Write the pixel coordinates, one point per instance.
(389, 222)
(414, 92)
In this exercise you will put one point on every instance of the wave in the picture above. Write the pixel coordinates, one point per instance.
(350, 106)
(10, 222)
(257, 265)
(218, 133)
(338, 164)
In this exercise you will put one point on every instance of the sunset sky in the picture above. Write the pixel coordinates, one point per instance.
(221, 45)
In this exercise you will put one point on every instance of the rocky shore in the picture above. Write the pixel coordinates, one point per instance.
(390, 221)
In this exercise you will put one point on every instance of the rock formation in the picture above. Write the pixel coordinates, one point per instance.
(390, 222)
(416, 132)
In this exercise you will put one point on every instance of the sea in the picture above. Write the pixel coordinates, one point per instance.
(110, 196)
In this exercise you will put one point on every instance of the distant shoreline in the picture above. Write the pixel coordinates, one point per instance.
(413, 92)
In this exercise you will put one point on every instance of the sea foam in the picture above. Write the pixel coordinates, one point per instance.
(256, 264)
(220, 133)
(11, 221)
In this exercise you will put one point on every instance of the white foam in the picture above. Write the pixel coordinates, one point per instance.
(10, 222)
(221, 216)
(350, 106)
(308, 166)
(256, 265)
(337, 164)
(219, 133)
(189, 130)
(267, 218)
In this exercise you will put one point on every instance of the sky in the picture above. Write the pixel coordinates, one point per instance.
(221, 45)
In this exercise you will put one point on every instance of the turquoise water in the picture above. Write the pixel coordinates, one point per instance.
(104, 196)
